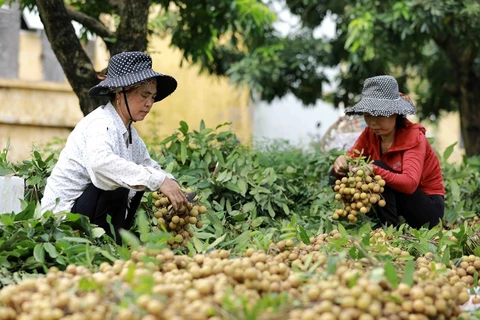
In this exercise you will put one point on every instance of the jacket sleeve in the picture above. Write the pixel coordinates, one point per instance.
(413, 162)
(147, 161)
(360, 145)
(108, 171)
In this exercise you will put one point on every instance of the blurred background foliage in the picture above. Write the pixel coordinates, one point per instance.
(430, 46)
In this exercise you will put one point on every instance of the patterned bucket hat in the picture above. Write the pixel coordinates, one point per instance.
(381, 98)
(128, 68)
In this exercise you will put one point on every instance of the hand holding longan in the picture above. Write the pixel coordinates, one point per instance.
(358, 193)
(340, 165)
(171, 189)
(178, 222)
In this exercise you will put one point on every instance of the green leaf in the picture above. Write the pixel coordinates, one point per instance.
(391, 274)
(51, 250)
(183, 127)
(76, 239)
(222, 176)
(87, 285)
(6, 219)
(215, 221)
(342, 231)
(203, 184)
(183, 151)
(303, 234)
(98, 232)
(143, 226)
(202, 125)
(270, 210)
(216, 242)
(249, 206)
(448, 151)
(257, 222)
(446, 256)
(285, 208)
(5, 171)
(376, 275)
(129, 238)
(231, 186)
(219, 156)
(242, 185)
(455, 191)
(408, 272)
(476, 251)
(39, 253)
(28, 212)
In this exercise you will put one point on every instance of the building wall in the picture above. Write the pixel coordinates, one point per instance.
(30, 56)
(446, 132)
(33, 113)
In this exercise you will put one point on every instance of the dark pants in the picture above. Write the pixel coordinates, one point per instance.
(418, 209)
(96, 204)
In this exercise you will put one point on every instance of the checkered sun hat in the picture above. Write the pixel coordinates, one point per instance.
(381, 98)
(128, 68)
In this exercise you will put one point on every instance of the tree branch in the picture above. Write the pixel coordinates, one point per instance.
(67, 48)
(133, 27)
(90, 23)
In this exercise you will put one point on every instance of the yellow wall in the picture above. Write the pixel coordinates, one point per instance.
(34, 112)
(446, 131)
(30, 56)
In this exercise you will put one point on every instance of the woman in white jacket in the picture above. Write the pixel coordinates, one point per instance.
(105, 167)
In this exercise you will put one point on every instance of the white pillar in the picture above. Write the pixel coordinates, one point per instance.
(12, 190)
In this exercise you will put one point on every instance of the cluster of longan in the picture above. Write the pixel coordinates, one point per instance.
(358, 193)
(177, 222)
(199, 287)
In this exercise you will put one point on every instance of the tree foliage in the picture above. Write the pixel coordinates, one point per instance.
(430, 46)
(214, 34)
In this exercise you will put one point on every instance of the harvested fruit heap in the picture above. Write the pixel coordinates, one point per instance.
(357, 193)
(157, 284)
(177, 222)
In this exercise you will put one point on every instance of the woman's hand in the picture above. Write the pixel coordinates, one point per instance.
(340, 165)
(171, 189)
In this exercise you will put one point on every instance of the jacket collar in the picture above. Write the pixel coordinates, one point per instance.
(112, 112)
(408, 137)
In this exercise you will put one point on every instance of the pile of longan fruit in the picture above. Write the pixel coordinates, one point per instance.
(179, 222)
(217, 285)
(357, 193)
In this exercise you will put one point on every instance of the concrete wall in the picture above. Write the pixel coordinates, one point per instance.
(33, 113)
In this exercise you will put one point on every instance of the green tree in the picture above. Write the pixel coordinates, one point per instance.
(431, 45)
(213, 33)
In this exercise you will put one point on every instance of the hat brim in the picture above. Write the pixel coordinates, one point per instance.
(381, 107)
(166, 84)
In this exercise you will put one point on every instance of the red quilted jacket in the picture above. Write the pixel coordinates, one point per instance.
(410, 155)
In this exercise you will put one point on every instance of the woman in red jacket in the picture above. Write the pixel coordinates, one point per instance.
(401, 154)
